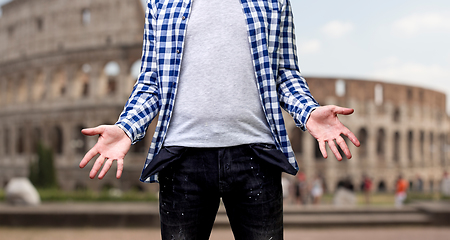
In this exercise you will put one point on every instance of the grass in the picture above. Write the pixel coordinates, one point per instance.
(377, 199)
(388, 199)
(56, 195)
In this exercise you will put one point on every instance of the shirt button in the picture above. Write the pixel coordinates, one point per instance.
(184, 18)
(178, 51)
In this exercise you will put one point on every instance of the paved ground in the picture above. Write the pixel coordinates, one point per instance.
(405, 233)
(146, 215)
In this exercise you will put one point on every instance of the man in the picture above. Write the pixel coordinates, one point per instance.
(400, 191)
(218, 73)
(445, 184)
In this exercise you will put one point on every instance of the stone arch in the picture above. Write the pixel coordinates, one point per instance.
(39, 24)
(396, 153)
(381, 186)
(409, 93)
(111, 71)
(82, 79)
(59, 83)
(85, 16)
(442, 148)
(134, 72)
(431, 143)
(20, 141)
(6, 141)
(410, 145)
(9, 91)
(35, 139)
(135, 69)
(112, 68)
(422, 144)
(38, 89)
(57, 140)
(363, 136)
(378, 95)
(340, 88)
(396, 115)
(22, 93)
(79, 141)
(346, 182)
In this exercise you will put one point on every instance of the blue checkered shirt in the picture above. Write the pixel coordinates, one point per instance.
(272, 41)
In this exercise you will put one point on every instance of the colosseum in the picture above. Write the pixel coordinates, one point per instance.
(66, 65)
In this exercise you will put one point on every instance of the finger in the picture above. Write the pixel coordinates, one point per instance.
(352, 137)
(343, 145)
(323, 149)
(119, 168)
(105, 168)
(97, 165)
(89, 155)
(93, 131)
(335, 151)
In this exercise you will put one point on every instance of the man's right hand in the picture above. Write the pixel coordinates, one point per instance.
(113, 144)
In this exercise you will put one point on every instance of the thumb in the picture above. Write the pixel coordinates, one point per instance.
(93, 131)
(343, 111)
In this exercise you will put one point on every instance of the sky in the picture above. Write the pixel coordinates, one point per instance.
(398, 41)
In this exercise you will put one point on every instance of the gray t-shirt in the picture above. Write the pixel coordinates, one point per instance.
(217, 102)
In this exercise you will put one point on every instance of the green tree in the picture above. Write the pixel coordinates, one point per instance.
(42, 172)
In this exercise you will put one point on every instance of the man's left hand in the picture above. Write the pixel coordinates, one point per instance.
(324, 125)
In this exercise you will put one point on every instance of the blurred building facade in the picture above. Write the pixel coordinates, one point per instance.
(66, 65)
(403, 130)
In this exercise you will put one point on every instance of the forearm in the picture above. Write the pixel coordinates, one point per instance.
(296, 99)
(140, 109)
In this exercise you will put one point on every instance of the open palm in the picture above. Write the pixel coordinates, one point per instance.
(113, 144)
(324, 125)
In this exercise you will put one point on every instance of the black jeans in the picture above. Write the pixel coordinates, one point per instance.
(191, 188)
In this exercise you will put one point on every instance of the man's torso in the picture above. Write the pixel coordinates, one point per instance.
(217, 102)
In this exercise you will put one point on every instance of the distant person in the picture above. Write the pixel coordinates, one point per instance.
(218, 73)
(302, 188)
(400, 192)
(317, 190)
(286, 185)
(445, 185)
(367, 188)
(344, 194)
(348, 184)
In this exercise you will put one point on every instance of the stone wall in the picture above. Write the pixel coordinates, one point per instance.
(66, 65)
(403, 130)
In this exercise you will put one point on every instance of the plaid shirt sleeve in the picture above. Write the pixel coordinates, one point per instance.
(293, 90)
(144, 102)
